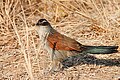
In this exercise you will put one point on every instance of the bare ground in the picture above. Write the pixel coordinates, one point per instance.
(88, 21)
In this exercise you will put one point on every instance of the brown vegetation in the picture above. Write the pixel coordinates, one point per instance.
(93, 22)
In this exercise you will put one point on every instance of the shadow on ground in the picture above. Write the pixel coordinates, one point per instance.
(89, 59)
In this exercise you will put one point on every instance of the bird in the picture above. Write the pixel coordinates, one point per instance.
(60, 46)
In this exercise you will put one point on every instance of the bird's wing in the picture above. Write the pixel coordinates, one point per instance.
(63, 42)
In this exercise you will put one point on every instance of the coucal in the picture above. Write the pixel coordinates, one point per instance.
(60, 46)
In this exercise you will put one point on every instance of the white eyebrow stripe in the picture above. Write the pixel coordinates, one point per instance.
(44, 21)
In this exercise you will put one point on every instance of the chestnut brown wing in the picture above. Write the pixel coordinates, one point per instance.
(62, 42)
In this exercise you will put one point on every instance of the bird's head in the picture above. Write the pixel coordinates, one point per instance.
(42, 22)
(43, 26)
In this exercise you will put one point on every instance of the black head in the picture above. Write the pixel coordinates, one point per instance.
(42, 22)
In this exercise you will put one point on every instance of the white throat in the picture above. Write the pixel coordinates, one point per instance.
(43, 32)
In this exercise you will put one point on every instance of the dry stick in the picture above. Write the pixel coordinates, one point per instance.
(117, 11)
(56, 13)
(98, 10)
(105, 13)
(43, 13)
(84, 9)
(45, 7)
(19, 40)
(29, 66)
(79, 10)
(82, 14)
(117, 4)
(35, 51)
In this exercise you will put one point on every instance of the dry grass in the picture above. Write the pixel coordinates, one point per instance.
(93, 22)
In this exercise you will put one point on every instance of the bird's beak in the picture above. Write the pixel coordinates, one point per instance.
(36, 24)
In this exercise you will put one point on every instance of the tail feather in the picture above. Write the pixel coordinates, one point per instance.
(101, 49)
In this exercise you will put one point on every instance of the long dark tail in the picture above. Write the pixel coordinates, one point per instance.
(100, 49)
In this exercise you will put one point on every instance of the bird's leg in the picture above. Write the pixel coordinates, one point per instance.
(56, 66)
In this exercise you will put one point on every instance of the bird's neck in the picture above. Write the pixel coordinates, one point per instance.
(44, 31)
